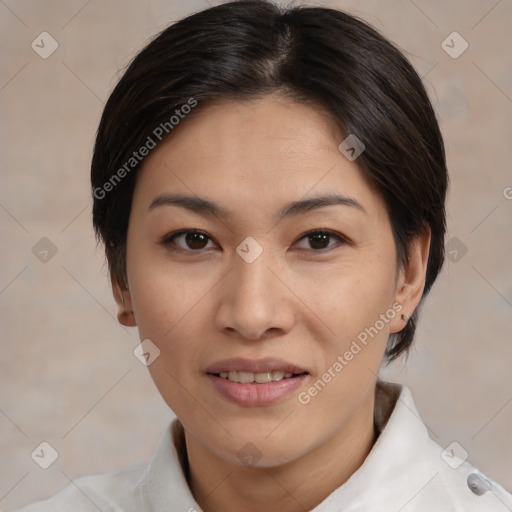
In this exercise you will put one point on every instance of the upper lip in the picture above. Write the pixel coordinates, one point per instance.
(266, 364)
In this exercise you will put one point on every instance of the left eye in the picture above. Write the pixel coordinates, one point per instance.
(319, 239)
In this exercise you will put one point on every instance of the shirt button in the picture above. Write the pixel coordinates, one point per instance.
(478, 484)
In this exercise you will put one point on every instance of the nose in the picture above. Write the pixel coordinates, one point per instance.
(255, 301)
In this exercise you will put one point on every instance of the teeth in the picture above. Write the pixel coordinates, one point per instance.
(244, 377)
(277, 375)
(259, 378)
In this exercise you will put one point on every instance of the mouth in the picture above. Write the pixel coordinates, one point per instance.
(244, 377)
(255, 382)
(258, 371)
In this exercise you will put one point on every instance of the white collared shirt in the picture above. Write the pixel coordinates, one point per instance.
(406, 471)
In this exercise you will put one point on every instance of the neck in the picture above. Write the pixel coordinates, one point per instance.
(296, 486)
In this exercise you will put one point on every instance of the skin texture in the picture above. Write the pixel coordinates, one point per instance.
(200, 303)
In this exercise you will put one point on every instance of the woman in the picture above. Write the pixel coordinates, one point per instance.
(270, 187)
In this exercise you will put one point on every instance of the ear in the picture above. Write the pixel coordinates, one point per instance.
(411, 280)
(123, 299)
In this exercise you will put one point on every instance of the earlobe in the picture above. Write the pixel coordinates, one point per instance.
(125, 315)
(412, 279)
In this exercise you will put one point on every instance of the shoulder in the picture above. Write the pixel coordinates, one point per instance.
(152, 484)
(108, 492)
(422, 476)
(453, 482)
(464, 486)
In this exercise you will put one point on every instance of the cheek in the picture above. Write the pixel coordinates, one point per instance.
(163, 293)
(349, 296)
(169, 311)
(355, 304)
(172, 306)
(352, 353)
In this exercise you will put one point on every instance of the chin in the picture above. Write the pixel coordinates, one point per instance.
(257, 451)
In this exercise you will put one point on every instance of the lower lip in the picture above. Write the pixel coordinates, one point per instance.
(255, 395)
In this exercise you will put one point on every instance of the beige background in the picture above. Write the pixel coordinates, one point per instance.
(68, 374)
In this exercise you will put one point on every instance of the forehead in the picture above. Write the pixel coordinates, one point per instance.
(257, 152)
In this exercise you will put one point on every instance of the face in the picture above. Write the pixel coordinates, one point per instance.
(253, 278)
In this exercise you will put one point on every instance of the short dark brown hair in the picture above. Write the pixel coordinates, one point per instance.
(323, 57)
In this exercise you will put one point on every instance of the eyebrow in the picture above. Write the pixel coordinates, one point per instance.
(207, 207)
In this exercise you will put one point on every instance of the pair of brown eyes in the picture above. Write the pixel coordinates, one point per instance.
(196, 240)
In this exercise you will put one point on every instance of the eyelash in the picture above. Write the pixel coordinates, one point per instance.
(169, 239)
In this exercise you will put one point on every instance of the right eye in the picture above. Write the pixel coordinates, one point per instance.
(190, 240)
